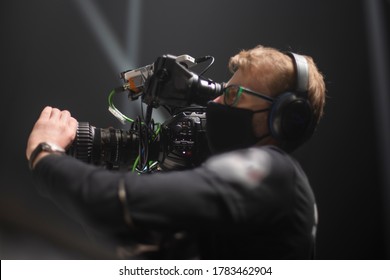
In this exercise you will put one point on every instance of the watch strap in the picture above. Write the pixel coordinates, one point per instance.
(44, 147)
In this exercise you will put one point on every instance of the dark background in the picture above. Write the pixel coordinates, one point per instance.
(51, 54)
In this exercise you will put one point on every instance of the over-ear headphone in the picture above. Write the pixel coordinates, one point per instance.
(291, 118)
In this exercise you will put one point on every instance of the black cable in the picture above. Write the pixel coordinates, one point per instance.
(203, 59)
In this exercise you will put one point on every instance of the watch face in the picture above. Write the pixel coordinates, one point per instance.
(48, 147)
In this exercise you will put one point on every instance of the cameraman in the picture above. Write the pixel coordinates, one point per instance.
(250, 200)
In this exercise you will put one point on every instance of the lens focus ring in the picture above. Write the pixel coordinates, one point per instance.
(84, 139)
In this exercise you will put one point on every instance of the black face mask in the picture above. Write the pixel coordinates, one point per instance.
(230, 128)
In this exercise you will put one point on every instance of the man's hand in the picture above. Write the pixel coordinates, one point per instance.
(53, 126)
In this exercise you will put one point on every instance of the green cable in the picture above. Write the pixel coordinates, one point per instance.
(135, 164)
(119, 114)
(115, 111)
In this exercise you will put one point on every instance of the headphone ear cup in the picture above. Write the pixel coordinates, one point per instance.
(291, 118)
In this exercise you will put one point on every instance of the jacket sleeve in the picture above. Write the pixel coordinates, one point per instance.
(92, 195)
(223, 193)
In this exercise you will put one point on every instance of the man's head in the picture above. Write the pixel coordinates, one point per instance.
(260, 76)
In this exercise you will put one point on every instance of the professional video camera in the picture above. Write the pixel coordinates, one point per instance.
(179, 143)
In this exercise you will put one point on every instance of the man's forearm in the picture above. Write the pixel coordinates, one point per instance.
(87, 193)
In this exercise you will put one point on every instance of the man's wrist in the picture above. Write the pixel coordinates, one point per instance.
(43, 149)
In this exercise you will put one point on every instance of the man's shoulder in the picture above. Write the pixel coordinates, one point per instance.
(248, 166)
(256, 153)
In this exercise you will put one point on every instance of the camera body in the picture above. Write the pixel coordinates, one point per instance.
(170, 82)
(179, 143)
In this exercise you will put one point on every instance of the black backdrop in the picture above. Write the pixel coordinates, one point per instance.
(51, 54)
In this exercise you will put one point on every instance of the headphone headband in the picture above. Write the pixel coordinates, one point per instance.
(302, 70)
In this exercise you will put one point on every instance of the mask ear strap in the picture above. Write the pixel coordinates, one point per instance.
(267, 134)
(263, 137)
(262, 110)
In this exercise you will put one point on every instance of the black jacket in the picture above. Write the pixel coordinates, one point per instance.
(254, 203)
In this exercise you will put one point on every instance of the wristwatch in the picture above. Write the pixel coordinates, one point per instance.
(44, 147)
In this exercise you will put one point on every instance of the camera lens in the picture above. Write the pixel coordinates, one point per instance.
(110, 147)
